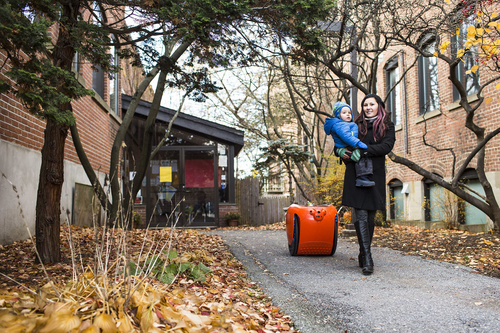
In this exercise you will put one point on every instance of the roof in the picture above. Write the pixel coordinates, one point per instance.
(214, 131)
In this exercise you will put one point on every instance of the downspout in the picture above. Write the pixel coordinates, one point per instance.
(405, 131)
(405, 93)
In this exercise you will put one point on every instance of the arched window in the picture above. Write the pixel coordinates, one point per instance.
(428, 75)
(397, 211)
(392, 89)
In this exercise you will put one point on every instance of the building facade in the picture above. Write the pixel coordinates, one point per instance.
(430, 131)
(21, 141)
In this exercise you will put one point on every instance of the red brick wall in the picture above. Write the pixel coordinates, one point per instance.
(96, 126)
(223, 210)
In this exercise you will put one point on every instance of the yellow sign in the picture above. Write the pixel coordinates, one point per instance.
(165, 174)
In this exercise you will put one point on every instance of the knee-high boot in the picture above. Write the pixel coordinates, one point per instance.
(365, 234)
(361, 255)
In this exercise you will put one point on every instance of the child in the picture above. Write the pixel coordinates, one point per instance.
(345, 135)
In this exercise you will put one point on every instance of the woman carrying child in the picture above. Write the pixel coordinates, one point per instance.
(376, 130)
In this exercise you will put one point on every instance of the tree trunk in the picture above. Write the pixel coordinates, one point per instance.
(48, 210)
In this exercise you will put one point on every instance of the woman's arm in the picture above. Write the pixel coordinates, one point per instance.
(384, 146)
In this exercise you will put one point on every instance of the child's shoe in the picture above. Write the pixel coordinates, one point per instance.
(364, 182)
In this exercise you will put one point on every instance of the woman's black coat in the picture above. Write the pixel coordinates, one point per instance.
(369, 198)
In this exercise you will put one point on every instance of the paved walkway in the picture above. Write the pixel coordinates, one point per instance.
(329, 294)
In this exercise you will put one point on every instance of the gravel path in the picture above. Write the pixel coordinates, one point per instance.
(329, 294)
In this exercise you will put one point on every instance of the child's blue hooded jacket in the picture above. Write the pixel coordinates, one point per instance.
(344, 134)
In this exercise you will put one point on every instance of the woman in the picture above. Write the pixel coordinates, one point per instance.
(377, 131)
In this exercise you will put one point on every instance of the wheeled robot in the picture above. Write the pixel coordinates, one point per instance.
(312, 230)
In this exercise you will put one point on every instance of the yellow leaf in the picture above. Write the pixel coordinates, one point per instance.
(480, 31)
(448, 2)
(460, 53)
(444, 46)
(471, 29)
(488, 242)
(435, 54)
(493, 15)
(61, 321)
(105, 323)
(492, 24)
(497, 85)
(483, 259)
(474, 68)
(468, 72)
(471, 36)
(458, 32)
(91, 329)
(488, 100)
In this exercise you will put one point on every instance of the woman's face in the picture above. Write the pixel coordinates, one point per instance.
(370, 107)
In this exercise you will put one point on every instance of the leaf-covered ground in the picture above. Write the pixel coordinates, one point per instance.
(479, 251)
(226, 302)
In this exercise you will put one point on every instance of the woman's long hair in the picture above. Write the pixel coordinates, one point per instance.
(380, 124)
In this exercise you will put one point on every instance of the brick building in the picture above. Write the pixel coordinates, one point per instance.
(21, 141)
(425, 105)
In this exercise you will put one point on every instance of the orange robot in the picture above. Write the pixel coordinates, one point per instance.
(312, 230)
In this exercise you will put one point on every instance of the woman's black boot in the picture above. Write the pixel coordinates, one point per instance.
(361, 255)
(364, 231)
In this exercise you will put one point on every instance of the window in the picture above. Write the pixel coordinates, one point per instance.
(397, 200)
(75, 65)
(98, 81)
(114, 91)
(428, 79)
(394, 96)
(469, 214)
(469, 80)
(98, 74)
(434, 200)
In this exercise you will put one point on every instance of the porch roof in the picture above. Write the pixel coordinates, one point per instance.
(216, 132)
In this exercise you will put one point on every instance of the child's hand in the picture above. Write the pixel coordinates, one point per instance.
(356, 155)
(347, 155)
(362, 145)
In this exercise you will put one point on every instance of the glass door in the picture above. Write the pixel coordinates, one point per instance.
(199, 187)
(165, 189)
(182, 188)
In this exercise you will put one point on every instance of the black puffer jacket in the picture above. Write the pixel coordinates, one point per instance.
(369, 198)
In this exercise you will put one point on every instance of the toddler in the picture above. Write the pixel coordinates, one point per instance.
(345, 135)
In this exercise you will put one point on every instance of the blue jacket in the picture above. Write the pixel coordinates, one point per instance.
(344, 134)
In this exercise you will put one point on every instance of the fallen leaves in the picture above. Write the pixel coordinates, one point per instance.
(480, 251)
(226, 302)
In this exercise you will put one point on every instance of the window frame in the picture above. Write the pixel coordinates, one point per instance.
(425, 77)
(114, 82)
(468, 61)
(393, 97)
(393, 185)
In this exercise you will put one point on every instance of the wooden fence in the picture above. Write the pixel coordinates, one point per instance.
(259, 210)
